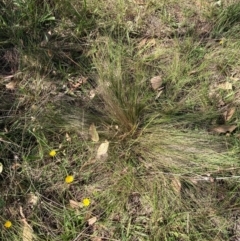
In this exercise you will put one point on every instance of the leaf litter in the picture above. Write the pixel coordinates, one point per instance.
(27, 233)
(156, 82)
(27, 230)
(93, 133)
(102, 151)
(223, 129)
(11, 85)
(229, 113)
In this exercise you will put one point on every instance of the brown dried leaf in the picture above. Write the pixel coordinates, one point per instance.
(27, 234)
(92, 220)
(96, 239)
(151, 42)
(147, 43)
(11, 85)
(159, 92)
(140, 2)
(142, 43)
(102, 150)
(93, 133)
(222, 129)
(225, 86)
(229, 113)
(156, 82)
(32, 199)
(176, 185)
(92, 94)
(75, 205)
(68, 138)
(205, 178)
(21, 212)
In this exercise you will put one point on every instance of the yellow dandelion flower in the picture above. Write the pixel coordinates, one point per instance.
(52, 153)
(86, 202)
(69, 179)
(8, 224)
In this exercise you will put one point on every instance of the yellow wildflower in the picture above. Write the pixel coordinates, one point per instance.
(69, 179)
(86, 202)
(8, 224)
(52, 153)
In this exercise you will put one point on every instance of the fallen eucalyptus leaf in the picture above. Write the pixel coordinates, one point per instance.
(102, 150)
(151, 42)
(68, 138)
(32, 199)
(75, 205)
(11, 85)
(225, 86)
(92, 94)
(156, 82)
(142, 43)
(27, 234)
(147, 43)
(96, 239)
(229, 113)
(93, 133)
(176, 185)
(92, 220)
(222, 129)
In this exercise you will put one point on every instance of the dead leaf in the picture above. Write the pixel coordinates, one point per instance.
(147, 43)
(151, 42)
(229, 113)
(15, 166)
(156, 82)
(21, 212)
(93, 133)
(205, 178)
(102, 150)
(32, 199)
(1, 167)
(225, 86)
(96, 239)
(92, 220)
(142, 43)
(140, 2)
(11, 85)
(234, 79)
(176, 185)
(92, 94)
(222, 129)
(27, 234)
(68, 138)
(159, 92)
(75, 205)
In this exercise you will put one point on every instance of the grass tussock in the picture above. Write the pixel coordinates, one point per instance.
(121, 89)
(90, 149)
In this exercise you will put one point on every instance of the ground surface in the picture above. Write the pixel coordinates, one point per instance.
(119, 120)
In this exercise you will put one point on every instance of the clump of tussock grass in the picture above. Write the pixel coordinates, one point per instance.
(121, 87)
(144, 189)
